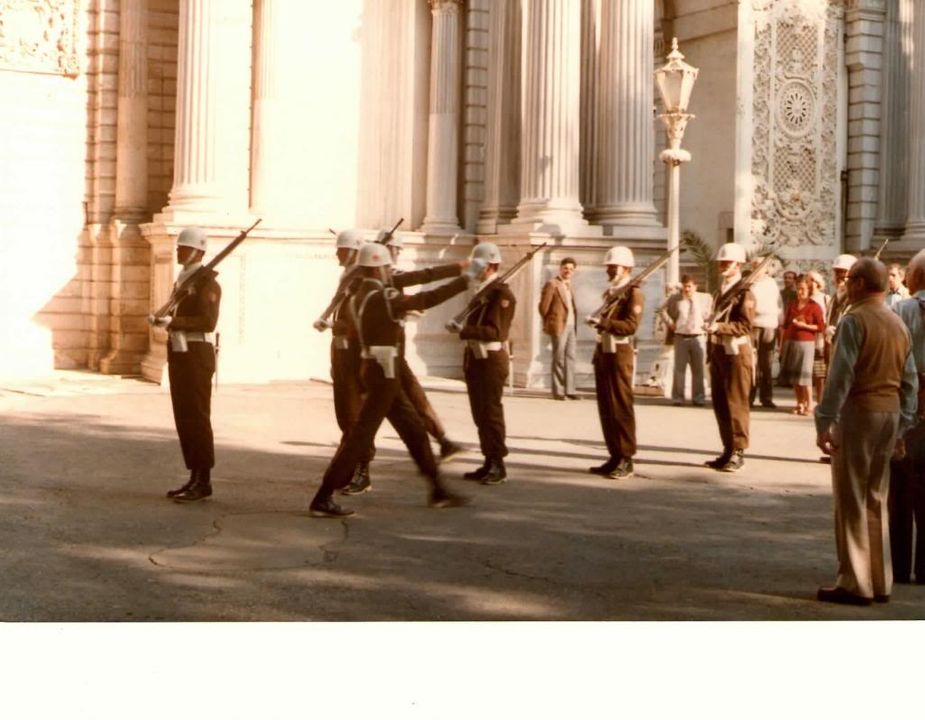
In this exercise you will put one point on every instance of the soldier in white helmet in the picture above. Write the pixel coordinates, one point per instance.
(191, 364)
(486, 363)
(731, 359)
(379, 309)
(613, 366)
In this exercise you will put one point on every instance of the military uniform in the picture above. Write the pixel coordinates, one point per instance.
(379, 310)
(613, 380)
(486, 365)
(190, 367)
(731, 371)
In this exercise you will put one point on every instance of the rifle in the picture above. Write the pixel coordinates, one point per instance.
(183, 291)
(724, 303)
(880, 249)
(615, 297)
(323, 322)
(480, 299)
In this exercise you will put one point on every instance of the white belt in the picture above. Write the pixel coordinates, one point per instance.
(481, 349)
(384, 355)
(609, 342)
(341, 342)
(179, 339)
(731, 344)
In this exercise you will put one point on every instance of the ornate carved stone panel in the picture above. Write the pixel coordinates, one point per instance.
(795, 111)
(40, 36)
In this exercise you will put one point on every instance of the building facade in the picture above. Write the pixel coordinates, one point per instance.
(517, 121)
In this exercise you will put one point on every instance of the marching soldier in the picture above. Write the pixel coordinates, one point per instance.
(613, 367)
(486, 363)
(379, 310)
(731, 360)
(190, 366)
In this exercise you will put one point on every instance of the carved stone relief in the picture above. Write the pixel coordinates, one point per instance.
(794, 161)
(40, 36)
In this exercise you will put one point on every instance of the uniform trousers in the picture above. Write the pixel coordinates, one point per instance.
(384, 399)
(348, 392)
(688, 350)
(860, 484)
(563, 362)
(907, 509)
(415, 394)
(764, 340)
(730, 384)
(613, 381)
(485, 381)
(190, 375)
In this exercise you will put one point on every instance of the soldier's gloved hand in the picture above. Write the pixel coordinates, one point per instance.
(592, 321)
(476, 268)
(163, 321)
(151, 319)
(712, 328)
(322, 325)
(454, 326)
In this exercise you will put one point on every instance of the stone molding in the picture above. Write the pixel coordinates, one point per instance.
(40, 36)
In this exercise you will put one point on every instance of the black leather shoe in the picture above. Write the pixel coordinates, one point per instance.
(189, 483)
(558, 397)
(478, 474)
(770, 405)
(360, 483)
(573, 397)
(448, 449)
(496, 474)
(841, 596)
(198, 491)
(328, 509)
(443, 498)
(720, 460)
(735, 463)
(622, 471)
(605, 469)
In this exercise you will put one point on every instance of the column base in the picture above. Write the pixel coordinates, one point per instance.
(122, 362)
(154, 364)
(440, 228)
(643, 215)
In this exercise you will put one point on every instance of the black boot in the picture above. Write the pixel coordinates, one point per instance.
(735, 462)
(325, 507)
(720, 460)
(496, 474)
(622, 471)
(605, 469)
(189, 483)
(199, 490)
(478, 474)
(440, 497)
(448, 448)
(360, 483)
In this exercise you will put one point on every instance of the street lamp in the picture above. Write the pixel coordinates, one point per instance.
(675, 82)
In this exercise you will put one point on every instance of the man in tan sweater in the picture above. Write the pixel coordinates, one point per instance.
(869, 400)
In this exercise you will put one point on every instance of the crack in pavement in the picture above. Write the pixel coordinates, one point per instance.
(541, 578)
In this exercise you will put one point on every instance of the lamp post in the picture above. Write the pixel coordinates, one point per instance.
(675, 81)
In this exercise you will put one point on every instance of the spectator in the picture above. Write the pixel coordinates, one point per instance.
(789, 292)
(896, 289)
(764, 336)
(803, 321)
(557, 308)
(685, 315)
(822, 300)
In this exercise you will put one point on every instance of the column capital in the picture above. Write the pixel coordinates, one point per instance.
(436, 5)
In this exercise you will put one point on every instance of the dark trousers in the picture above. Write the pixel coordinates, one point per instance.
(485, 386)
(348, 392)
(731, 382)
(907, 509)
(415, 394)
(613, 380)
(190, 376)
(384, 399)
(764, 340)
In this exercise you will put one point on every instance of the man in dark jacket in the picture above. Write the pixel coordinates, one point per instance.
(557, 308)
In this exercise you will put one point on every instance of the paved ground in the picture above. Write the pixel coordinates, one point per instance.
(88, 535)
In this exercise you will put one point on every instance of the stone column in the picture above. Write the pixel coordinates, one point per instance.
(625, 130)
(590, 47)
(894, 119)
(197, 187)
(550, 138)
(129, 301)
(915, 218)
(502, 148)
(443, 131)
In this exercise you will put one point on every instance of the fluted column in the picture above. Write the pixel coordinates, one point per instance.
(443, 129)
(550, 145)
(196, 183)
(625, 145)
(502, 148)
(915, 218)
(590, 47)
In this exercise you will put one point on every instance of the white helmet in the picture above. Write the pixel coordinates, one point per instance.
(488, 252)
(732, 252)
(192, 237)
(844, 262)
(620, 255)
(350, 239)
(374, 255)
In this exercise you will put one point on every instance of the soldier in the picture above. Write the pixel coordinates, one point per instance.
(379, 309)
(613, 366)
(486, 363)
(190, 366)
(731, 360)
(409, 381)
